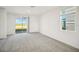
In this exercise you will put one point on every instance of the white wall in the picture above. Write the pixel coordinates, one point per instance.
(34, 23)
(3, 23)
(11, 23)
(50, 26)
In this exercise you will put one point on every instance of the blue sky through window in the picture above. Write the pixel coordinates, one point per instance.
(21, 21)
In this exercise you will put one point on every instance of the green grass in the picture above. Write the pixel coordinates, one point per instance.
(21, 29)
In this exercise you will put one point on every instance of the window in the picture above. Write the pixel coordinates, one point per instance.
(68, 17)
(21, 24)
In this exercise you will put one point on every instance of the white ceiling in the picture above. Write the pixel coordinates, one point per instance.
(29, 10)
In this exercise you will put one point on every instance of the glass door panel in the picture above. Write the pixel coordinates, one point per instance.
(21, 25)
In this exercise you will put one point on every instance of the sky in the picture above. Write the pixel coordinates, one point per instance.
(22, 21)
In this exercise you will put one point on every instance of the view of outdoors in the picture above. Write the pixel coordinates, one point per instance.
(63, 22)
(21, 24)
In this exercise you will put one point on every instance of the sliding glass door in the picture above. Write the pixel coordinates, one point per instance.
(22, 25)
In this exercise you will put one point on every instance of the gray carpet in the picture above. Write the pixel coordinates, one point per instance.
(33, 42)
